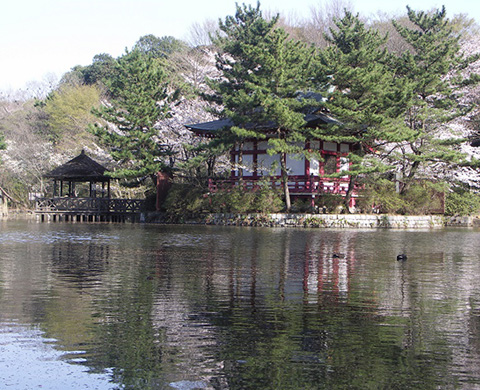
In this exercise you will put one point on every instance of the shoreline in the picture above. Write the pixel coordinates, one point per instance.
(343, 221)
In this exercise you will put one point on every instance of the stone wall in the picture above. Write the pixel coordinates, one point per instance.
(360, 221)
(330, 220)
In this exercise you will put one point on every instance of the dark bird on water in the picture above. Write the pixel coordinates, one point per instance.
(403, 256)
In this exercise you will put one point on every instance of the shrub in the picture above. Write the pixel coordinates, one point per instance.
(462, 202)
(301, 205)
(330, 202)
(240, 200)
(184, 200)
(380, 196)
(421, 198)
(267, 199)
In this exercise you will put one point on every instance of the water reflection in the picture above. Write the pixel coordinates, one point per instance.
(28, 360)
(224, 308)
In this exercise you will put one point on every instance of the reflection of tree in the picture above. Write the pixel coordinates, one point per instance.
(79, 263)
(67, 315)
(312, 332)
(254, 308)
(102, 304)
(132, 344)
(127, 340)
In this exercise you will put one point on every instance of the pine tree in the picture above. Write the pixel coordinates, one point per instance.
(140, 99)
(263, 70)
(430, 81)
(236, 35)
(356, 66)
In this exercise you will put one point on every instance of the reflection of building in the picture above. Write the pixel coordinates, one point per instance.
(326, 267)
(229, 280)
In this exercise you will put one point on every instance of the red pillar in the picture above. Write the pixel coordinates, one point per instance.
(164, 182)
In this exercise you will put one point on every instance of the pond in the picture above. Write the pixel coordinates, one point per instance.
(123, 306)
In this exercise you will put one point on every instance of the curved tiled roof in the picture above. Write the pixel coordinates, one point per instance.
(209, 128)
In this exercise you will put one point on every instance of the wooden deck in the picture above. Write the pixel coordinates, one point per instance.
(89, 209)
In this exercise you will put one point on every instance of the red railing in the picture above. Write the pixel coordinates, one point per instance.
(297, 185)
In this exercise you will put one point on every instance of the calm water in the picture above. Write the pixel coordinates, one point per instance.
(93, 306)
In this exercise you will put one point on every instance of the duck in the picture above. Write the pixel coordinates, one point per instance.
(402, 257)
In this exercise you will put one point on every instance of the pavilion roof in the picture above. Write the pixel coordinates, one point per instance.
(80, 168)
(210, 128)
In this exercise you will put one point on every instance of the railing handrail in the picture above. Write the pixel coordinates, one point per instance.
(296, 184)
(94, 205)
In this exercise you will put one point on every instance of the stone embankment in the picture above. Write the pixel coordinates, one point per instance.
(358, 221)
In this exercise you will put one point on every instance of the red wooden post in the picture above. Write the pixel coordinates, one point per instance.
(164, 182)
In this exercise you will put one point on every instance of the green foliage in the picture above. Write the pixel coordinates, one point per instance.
(17, 188)
(233, 200)
(186, 200)
(267, 200)
(355, 65)
(239, 200)
(428, 92)
(101, 69)
(330, 202)
(421, 198)
(263, 70)
(461, 201)
(69, 111)
(380, 196)
(3, 145)
(401, 101)
(156, 47)
(141, 99)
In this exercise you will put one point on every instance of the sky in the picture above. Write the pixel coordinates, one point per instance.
(41, 40)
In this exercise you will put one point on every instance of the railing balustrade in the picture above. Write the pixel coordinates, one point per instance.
(89, 205)
(296, 184)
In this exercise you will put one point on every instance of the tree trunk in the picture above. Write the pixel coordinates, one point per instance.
(211, 166)
(404, 187)
(240, 160)
(286, 191)
(348, 195)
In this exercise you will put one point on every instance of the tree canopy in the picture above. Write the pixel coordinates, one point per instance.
(142, 98)
(263, 71)
(157, 47)
(355, 66)
(429, 84)
(69, 110)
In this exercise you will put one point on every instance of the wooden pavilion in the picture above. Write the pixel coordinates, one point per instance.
(79, 170)
(81, 192)
(308, 178)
